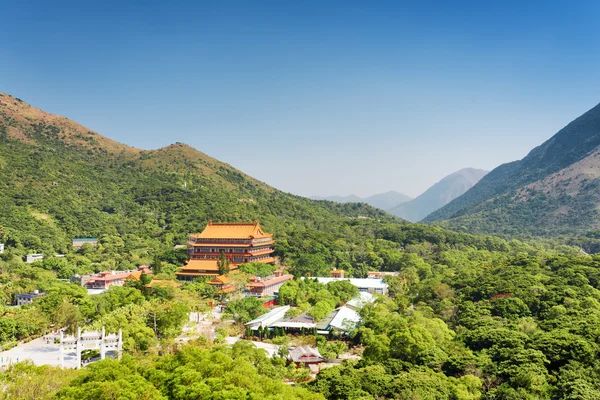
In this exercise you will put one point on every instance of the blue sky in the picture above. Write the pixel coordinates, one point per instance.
(312, 97)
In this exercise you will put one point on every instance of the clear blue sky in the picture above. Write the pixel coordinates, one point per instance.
(312, 97)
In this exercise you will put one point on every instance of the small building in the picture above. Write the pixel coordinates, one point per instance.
(370, 285)
(380, 274)
(31, 258)
(1, 248)
(306, 355)
(105, 279)
(78, 242)
(239, 242)
(261, 287)
(337, 273)
(222, 284)
(137, 275)
(27, 298)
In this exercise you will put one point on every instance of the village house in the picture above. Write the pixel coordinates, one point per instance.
(239, 242)
(31, 258)
(261, 287)
(105, 279)
(27, 298)
(308, 356)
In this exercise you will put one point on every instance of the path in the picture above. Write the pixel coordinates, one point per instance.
(271, 349)
(37, 351)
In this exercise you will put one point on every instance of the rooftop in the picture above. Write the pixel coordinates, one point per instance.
(306, 354)
(232, 231)
(358, 282)
(270, 280)
(204, 265)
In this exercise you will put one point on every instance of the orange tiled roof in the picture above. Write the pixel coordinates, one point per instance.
(233, 231)
(204, 265)
(187, 273)
(219, 280)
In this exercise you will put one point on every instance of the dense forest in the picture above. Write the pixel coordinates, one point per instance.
(468, 316)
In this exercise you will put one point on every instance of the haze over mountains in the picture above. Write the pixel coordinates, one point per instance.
(554, 190)
(414, 210)
(438, 195)
(382, 201)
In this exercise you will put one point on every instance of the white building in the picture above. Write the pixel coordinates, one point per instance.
(27, 298)
(1, 248)
(34, 257)
(370, 285)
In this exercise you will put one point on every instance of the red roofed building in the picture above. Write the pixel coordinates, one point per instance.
(105, 279)
(240, 242)
(260, 287)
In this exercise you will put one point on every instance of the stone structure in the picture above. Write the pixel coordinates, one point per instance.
(91, 340)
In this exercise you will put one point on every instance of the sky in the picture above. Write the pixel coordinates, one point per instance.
(312, 97)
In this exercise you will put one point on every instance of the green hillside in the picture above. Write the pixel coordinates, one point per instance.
(467, 317)
(553, 190)
(60, 180)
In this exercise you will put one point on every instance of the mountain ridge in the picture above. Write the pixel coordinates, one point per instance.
(383, 201)
(438, 195)
(506, 200)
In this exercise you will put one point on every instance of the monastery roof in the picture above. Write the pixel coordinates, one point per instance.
(306, 354)
(232, 231)
(204, 265)
(137, 275)
(219, 280)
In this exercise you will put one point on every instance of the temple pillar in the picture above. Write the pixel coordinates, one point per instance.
(79, 348)
(102, 345)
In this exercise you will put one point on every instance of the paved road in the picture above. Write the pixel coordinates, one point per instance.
(271, 349)
(37, 351)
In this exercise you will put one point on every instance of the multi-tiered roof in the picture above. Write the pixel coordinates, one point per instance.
(240, 242)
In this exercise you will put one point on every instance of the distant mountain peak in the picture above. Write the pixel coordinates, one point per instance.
(438, 195)
(382, 201)
(554, 189)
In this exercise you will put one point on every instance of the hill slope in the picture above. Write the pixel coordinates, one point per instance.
(553, 190)
(382, 201)
(440, 194)
(60, 180)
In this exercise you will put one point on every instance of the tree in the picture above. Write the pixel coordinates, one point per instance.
(223, 264)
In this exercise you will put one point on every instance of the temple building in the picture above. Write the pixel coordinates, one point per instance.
(268, 286)
(222, 284)
(240, 242)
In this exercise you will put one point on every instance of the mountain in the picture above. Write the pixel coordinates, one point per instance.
(60, 180)
(555, 189)
(382, 201)
(438, 195)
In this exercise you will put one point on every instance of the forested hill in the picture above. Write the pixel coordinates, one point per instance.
(59, 180)
(553, 190)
